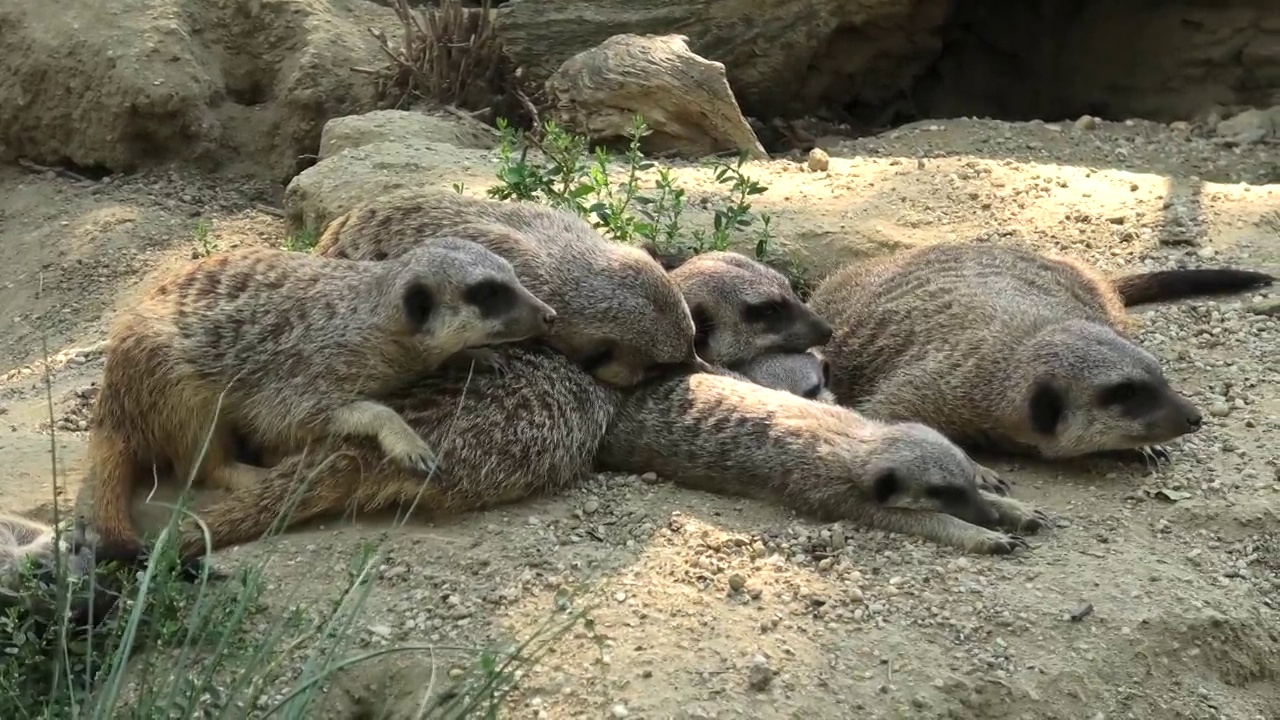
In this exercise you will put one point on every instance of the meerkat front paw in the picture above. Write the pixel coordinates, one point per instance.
(411, 451)
(993, 542)
(990, 480)
(1016, 515)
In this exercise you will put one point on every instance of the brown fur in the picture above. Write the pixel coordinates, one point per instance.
(731, 437)
(285, 348)
(531, 429)
(537, 428)
(742, 308)
(622, 318)
(997, 347)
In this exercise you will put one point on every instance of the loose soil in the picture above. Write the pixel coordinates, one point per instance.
(1178, 566)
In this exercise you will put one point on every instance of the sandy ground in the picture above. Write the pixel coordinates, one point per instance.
(1180, 568)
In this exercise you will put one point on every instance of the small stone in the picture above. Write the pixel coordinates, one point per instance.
(759, 675)
(819, 160)
(737, 582)
(590, 506)
(1219, 409)
(1086, 122)
(649, 478)
(619, 711)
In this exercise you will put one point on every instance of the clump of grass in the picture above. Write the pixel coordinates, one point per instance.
(573, 176)
(173, 649)
(301, 240)
(203, 237)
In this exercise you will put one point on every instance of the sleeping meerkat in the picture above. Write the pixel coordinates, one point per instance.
(285, 348)
(806, 374)
(29, 546)
(1005, 349)
(742, 308)
(732, 437)
(621, 317)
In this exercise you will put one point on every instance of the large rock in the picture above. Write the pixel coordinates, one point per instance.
(685, 99)
(403, 126)
(129, 83)
(340, 182)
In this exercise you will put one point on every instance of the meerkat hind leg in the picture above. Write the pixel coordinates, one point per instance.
(398, 440)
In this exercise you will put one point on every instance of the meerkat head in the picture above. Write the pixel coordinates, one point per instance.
(1092, 390)
(454, 294)
(915, 466)
(633, 325)
(807, 374)
(743, 308)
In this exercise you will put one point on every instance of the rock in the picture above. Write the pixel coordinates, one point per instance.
(354, 131)
(132, 83)
(339, 183)
(1086, 122)
(684, 98)
(759, 675)
(819, 160)
(1219, 409)
(737, 582)
(1249, 127)
(1268, 308)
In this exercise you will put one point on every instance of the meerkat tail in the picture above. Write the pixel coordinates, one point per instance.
(1165, 285)
(399, 441)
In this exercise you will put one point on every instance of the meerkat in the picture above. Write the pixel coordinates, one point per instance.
(27, 546)
(731, 437)
(285, 348)
(502, 437)
(742, 308)
(621, 317)
(806, 374)
(547, 424)
(1007, 350)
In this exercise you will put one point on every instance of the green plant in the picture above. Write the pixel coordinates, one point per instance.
(203, 235)
(574, 177)
(302, 240)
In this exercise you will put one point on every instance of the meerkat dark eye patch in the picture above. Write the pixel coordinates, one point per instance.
(419, 303)
(703, 326)
(767, 312)
(886, 486)
(379, 255)
(813, 392)
(1134, 398)
(1046, 408)
(599, 358)
(491, 297)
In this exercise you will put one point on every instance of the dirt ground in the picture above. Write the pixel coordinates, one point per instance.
(1180, 568)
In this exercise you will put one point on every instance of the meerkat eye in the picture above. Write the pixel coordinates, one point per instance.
(491, 297)
(597, 359)
(763, 312)
(1120, 393)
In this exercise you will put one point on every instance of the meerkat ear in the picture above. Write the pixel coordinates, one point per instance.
(826, 372)
(1046, 407)
(702, 328)
(885, 487)
(418, 304)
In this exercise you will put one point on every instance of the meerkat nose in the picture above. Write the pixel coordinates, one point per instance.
(822, 329)
(1194, 419)
(549, 317)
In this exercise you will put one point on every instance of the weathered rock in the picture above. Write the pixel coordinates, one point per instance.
(126, 84)
(1249, 127)
(685, 99)
(353, 131)
(339, 183)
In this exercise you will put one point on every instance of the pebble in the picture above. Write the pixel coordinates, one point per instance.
(737, 582)
(1219, 409)
(759, 675)
(619, 711)
(819, 160)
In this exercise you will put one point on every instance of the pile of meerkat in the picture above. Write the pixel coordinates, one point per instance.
(1004, 349)
(284, 349)
(621, 317)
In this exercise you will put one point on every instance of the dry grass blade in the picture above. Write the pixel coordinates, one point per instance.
(449, 56)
